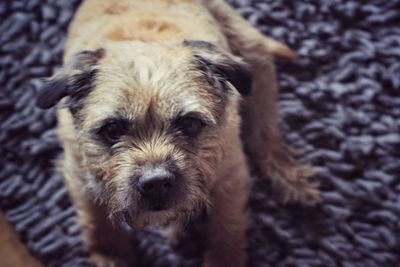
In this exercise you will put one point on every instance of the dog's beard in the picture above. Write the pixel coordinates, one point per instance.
(125, 208)
(139, 219)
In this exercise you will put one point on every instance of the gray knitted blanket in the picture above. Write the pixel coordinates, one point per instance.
(340, 105)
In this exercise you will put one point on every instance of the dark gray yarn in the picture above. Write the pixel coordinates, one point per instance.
(340, 104)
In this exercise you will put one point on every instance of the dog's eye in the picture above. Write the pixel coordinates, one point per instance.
(190, 126)
(112, 131)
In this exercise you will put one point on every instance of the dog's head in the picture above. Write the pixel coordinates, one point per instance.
(151, 122)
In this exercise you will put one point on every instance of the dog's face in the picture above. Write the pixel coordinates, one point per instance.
(150, 123)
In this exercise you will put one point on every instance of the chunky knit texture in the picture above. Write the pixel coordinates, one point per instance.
(340, 105)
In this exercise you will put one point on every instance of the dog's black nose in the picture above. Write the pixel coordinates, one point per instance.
(155, 185)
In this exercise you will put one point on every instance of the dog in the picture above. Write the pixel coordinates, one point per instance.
(161, 102)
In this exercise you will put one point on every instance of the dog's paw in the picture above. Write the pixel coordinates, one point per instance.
(295, 187)
(305, 194)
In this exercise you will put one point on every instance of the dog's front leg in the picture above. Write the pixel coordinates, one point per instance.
(228, 222)
(108, 244)
(262, 137)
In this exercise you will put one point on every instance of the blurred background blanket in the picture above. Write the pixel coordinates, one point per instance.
(340, 106)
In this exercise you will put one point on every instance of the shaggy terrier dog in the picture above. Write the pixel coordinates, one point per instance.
(159, 99)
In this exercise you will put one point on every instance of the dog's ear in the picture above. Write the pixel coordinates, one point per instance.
(221, 68)
(53, 90)
(74, 80)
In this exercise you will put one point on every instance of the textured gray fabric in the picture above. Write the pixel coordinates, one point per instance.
(340, 105)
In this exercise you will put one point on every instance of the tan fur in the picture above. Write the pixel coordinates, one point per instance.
(146, 75)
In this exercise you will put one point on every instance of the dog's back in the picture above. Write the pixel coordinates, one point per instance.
(100, 21)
